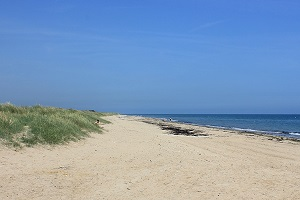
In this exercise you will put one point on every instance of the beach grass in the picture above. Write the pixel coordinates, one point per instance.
(28, 126)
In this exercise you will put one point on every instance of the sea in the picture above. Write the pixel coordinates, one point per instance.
(283, 125)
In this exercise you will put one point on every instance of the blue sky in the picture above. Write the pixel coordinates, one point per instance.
(152, 56)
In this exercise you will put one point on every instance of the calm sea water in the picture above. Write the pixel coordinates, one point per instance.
(280, 125)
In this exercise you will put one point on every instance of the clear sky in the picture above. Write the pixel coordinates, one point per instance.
(152, 56)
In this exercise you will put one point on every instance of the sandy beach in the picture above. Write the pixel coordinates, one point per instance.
(135, 159)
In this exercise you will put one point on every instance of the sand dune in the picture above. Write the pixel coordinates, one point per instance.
(137, 160)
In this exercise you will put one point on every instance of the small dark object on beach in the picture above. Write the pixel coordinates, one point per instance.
(279, 138)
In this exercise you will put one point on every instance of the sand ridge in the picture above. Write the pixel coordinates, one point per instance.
(137, 160)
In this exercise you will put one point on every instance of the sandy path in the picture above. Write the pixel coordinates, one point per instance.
(134, 160)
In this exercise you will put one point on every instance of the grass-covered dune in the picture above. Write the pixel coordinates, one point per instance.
(27, 126)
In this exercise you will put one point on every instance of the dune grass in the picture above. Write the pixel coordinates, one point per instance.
(27, 126)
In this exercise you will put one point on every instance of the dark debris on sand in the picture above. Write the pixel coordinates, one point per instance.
(182, 131)
(176, 130)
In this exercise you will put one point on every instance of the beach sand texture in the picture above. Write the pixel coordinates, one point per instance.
(137, 160)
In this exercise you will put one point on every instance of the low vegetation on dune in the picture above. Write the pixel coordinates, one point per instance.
(27, 126)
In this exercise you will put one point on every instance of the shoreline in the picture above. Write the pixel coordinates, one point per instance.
(270, 135)
(133, 159)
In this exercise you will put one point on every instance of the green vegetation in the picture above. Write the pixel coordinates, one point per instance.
(27, 126)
